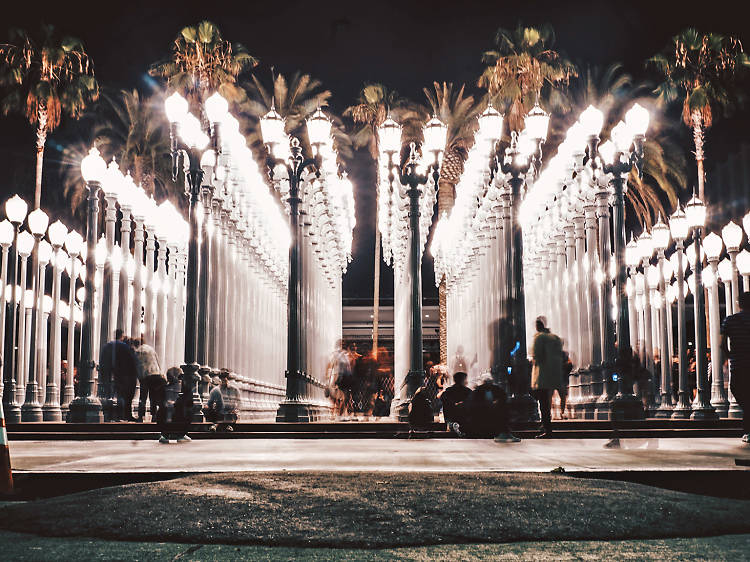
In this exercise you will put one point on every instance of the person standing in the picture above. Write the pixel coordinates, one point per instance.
(117, 363)
(546, 377)
(153, 381)
(735, 342)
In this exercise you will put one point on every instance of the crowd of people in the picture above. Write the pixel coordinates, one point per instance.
(127, 364)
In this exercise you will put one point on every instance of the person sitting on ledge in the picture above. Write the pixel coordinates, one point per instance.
(223, 402)
(487, 412)
(454, 403)
(420, 411)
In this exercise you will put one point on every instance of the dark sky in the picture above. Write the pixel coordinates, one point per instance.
(403, 44)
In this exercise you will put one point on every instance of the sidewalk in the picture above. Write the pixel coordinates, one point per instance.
(442, 455)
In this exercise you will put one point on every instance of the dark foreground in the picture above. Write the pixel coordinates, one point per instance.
(378, 510)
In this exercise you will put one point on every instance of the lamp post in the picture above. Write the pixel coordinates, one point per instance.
(73, 245)
(714, 245)
(662, 238)
(732, 236)
(695, 213)
(51, 409)
(6, 239)
(679, 226)
(86, 407)
(15, 209)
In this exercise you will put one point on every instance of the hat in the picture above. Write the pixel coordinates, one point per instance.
(542, 319)
(216, 380)
(224, 374)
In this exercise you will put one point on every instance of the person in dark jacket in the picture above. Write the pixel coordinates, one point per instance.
(117, 363)
(735, 342)
(454, 402)
(420, 410)
(487, 412)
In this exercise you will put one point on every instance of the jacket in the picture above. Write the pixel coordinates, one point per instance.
(548, 362)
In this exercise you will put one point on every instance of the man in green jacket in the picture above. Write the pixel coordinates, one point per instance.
(547, 375)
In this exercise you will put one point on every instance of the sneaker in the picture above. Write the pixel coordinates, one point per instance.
(184, 439)
(230, 428)
(612, 444)
(163, 439)
(746, 438)
(213, 427)
(507, 438)
(545, 435)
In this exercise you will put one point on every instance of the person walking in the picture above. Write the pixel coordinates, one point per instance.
(152, 380)
(735, 342)
(546, 376)
(117, 363)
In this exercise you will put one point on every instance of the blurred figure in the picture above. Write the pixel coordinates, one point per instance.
(117, 364)
(459, 361)
(152, 380)
(546, 376)
(563, 390)
(454, 400)
(183, 408)
(735, 341)
(487, 413)
(365, 383)
(340, 380)
(420, 411)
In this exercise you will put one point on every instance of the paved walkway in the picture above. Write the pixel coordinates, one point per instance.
(381, 454)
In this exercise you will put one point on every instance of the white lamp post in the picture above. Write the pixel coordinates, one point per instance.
(679, 227)
(732, 235)
(714, 245)
(662, 238)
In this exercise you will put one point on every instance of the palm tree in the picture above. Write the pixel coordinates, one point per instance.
(459, 112)
(374, 104)
(698, 69)
(517, 70)
(135, 131)
(203, 62)
(613, 91)
(45, 76)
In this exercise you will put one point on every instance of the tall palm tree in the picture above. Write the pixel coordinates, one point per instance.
(459, 112)
(203, 62)
(135, 131)
(522, 65)
(44, 77)
(613, 91)
(374, 103)
(698, 69)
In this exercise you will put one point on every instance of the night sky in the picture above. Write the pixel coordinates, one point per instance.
(406, 45)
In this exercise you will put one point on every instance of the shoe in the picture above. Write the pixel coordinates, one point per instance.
(612, 444)
(212, 427)
(545, 435)
(507, 438)
(455, 428)
(163, 439)
(230, 428)
(746, 438)
(184, 439)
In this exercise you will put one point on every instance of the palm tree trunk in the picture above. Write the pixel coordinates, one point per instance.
(446, 198)
(698, 139)
(41, 139)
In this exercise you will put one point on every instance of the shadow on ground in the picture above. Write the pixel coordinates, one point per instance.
(377, 510)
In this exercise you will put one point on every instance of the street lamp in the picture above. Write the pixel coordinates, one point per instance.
(695, 213)
(679, 227)
(732, 235)
(662, 238)
(714, 246)
(15, 209)
(86, 406)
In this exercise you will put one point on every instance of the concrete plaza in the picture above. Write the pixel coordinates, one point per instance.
(409, 455)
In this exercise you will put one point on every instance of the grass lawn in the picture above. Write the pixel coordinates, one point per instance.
(377, 510)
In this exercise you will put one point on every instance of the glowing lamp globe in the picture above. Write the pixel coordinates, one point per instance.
(637, 119)
(208, 160)
(61, 259)
(38, 221)
(73, 243)
(192, 132)
(678, 225)
(25, 243)
(176, 108)
(709, 278)
(607, 152)
(536, 123)
(57, 233)
(672, 292)
(45, 252)
(725, 270)
(732, 235)
(622, 137)
(646, 246)
(116, 258)
(93, 167)
(746, 223)
(713, 246)
(695, 212)
(743, 262)
(319, 128)
(16, 209)
(100, 254)
(272, 128)
(690, 284)
(6, 233)
(435, 135)
(216, 108)
(690, 252)
(491, 124)
(113, 180)
(653, 276)
(632, 255)
(592, 121)
(661, 235)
